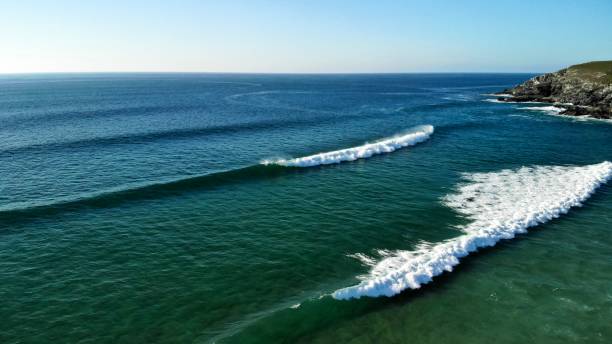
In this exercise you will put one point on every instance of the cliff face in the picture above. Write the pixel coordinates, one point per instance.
(581, 90)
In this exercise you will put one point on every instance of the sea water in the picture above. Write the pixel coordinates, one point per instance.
(194, 208)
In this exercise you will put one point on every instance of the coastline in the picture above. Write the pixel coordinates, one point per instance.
(583, 90)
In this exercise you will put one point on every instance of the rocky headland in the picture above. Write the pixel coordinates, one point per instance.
(580, 90)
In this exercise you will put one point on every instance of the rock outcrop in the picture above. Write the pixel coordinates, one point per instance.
(581, 90)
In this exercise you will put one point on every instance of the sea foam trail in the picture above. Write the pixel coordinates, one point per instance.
(548, 109)
(500, 205)
(367, 150)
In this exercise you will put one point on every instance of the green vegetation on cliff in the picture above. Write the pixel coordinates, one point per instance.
(597, 71)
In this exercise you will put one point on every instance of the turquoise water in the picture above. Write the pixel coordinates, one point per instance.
(134, 208)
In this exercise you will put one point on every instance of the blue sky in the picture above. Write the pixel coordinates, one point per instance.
(302, 36)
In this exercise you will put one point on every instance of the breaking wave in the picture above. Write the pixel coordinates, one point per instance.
(547, 109)
(497, 101)
(367, 150)
(162, 188)
(500, 205)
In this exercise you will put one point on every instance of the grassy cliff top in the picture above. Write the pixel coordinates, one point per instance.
(600, 71)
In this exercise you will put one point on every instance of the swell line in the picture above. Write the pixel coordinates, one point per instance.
(178, 134)
(106, 198)
(59, 115)
(153, 136)
(112, 197)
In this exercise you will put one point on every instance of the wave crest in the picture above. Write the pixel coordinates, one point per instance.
(500, 205)
(367, 150)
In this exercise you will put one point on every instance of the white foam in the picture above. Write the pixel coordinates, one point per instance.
(511, 102)
(459, 97)
(419, 134)
(582, 118)
(548, 109)
(556, 111)
(499, 205)
(506, 95)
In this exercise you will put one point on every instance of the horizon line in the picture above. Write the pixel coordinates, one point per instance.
(266, 73)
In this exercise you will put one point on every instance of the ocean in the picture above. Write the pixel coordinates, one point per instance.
(253, 208)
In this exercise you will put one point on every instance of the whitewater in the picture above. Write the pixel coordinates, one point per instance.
(387, 145)
(548, 109)
(500, 205)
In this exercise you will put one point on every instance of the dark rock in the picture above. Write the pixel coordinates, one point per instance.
(587, 87)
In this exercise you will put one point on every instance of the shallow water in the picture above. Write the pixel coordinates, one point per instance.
(135, 208)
